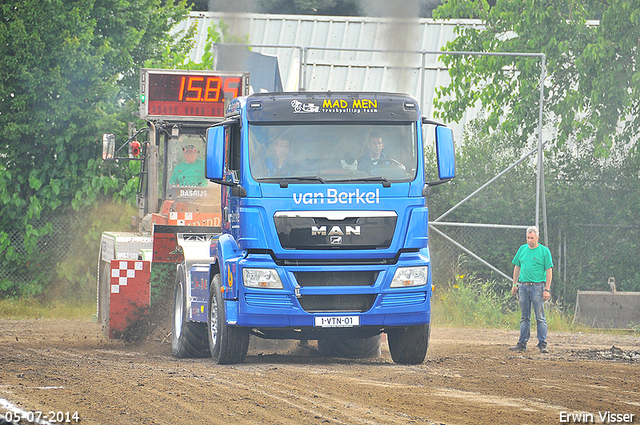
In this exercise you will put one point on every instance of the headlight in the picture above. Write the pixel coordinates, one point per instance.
(410, 276)
(261, 278)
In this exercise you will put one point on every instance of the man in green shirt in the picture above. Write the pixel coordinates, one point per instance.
(190, 172)
(532, 274)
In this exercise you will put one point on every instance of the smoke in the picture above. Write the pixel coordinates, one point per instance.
(237, 31)
(233, 10)
(236, 6)
(401, 29)
(401, 33)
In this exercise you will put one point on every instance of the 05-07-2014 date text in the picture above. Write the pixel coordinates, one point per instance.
(37, 417)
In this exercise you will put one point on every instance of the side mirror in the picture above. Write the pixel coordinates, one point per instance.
(445, 153)
(214, 160)
(108, 147)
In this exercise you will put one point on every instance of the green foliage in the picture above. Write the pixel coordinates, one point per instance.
(474, 303)
(591, 204)
(75, 272)
(69, 72)
(593, 80)
(510, 200)
(592, 166)
(33, 308)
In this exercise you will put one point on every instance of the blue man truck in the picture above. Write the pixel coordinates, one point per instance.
(323, 232)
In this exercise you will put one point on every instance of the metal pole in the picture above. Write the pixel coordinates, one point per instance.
(543, 71)
(486, 184)
(424, 65)
(564, 269)
(303, 83)
(152, 176)
(301, 66)
(470, 253)
(544, 210)
(479, 225)
(560, 268)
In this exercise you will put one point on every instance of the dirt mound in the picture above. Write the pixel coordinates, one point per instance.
(614, 354)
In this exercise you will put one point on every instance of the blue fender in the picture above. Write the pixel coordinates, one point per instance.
(228, 254)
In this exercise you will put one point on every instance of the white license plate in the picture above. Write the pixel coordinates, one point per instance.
(337, 321)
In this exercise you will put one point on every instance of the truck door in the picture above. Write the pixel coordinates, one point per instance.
(230, 203)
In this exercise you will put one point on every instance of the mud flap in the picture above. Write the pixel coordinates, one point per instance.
(129, 294)
(231, 308)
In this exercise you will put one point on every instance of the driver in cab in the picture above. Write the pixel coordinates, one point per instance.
(374, 153)
(189, 172)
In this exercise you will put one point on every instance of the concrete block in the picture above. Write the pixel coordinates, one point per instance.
(608, 310)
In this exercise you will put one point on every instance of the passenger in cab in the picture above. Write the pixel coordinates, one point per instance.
(279, 162)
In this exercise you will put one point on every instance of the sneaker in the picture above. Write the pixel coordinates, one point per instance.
(544, 350)
(518, 347)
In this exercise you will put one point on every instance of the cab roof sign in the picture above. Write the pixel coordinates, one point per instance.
(339, 106)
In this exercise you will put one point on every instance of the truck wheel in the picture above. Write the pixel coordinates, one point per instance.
(350, 348)
(409, 345)
(188, 339)
(228, 344)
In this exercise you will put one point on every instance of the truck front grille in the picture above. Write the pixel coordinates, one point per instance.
(343, 303)
(361, 278)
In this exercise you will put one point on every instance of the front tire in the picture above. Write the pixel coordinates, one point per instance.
(409, 345)
(188, 339)
(228, 344)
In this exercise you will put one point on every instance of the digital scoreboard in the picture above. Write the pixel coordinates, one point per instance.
(191, 95)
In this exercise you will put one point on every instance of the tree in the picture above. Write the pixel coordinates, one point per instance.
(68, 70)
(591, 97)
(593, 84)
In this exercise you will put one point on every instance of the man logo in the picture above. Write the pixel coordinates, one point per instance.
(335, 231)
(335, 240)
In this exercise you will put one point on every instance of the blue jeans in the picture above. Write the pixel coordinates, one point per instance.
(532, 295)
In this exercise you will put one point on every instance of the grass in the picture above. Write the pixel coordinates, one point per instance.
(474, 304)
(31, 308)
(466, 304)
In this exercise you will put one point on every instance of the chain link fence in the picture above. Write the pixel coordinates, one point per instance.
(52, 248)
(585, 256)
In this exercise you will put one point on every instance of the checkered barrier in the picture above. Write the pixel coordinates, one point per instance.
(129, 298)
(194, 219)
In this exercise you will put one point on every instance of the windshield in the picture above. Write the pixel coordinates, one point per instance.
(336, 152)
(185, 178)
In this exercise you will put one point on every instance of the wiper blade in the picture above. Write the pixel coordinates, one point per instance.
(284, 180)
(385, 181)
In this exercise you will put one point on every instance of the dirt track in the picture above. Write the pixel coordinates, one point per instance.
(469, 377)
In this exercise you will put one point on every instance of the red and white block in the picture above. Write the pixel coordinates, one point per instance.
(130, 295)
(180, 218)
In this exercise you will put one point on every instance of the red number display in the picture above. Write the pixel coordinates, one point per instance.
(191, 94)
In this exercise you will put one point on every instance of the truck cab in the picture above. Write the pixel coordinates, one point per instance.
(324, 224)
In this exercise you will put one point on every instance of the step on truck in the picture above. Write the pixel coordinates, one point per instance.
(323, 231)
